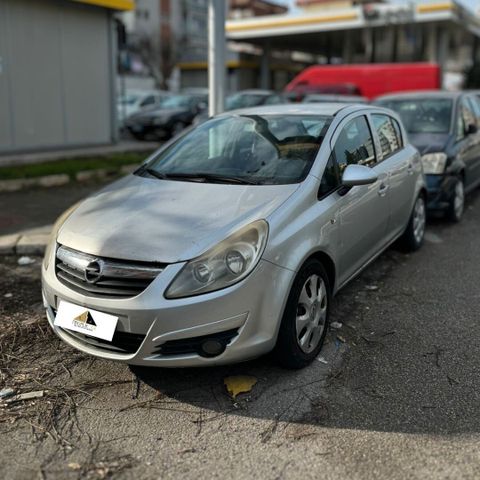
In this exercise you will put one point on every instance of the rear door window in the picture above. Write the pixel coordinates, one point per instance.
(354, 145)
(387, 134)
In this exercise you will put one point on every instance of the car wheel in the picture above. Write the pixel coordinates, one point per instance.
(457, 202)
(415, 232)
(305, 320)
(177, 128)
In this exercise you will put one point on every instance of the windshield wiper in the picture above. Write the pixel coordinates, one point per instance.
(217, 178)
(200, 177)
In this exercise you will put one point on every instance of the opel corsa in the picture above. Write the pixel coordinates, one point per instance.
(230, 241)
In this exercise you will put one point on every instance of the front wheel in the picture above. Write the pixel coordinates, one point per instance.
(415, 233)
(456, 206)
(305, 320)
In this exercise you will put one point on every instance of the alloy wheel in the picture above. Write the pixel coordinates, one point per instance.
(459, 199)
(311, 313)
(419, 219)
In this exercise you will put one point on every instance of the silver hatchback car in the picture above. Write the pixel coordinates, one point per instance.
(231, 240)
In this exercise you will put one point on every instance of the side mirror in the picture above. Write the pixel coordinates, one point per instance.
(355, 175)
(471, 128)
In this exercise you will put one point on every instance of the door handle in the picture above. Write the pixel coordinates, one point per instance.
(410, 169)
(382, 191)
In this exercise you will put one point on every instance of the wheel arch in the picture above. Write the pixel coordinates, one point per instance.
(326, 260)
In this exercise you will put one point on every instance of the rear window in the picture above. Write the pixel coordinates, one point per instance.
(428, 115)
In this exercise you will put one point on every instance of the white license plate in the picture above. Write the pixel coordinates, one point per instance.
(85, 320)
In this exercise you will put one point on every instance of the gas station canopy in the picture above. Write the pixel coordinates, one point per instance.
(113, 4)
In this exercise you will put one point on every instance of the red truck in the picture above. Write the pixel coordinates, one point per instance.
(368, 80)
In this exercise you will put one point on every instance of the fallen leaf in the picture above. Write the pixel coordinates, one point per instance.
(74, 466)
(339, 337)
(237, 384)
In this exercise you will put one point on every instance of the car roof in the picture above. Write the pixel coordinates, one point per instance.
(328, 109)
(254, 91)
(334, 98)
(420, 95)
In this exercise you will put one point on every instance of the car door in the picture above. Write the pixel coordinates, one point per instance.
(475, 139)
(469, 141)
(363, 210)
(402, 169)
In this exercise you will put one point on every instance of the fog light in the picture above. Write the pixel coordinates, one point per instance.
(212, 348)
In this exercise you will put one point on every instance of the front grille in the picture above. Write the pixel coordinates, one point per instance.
(122, 342)
(186, 346)
(103, 277)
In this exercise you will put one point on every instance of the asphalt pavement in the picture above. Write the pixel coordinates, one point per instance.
(395, 394)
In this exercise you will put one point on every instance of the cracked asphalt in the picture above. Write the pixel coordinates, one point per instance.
(398, 398)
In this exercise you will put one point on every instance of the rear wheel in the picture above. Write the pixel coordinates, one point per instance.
(414, 234)
(456, 206)
(305, 320)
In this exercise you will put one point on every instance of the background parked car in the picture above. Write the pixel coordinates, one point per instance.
(135, 100)
(319, 98)
(246, 99)
(444, 128)
(168, 119)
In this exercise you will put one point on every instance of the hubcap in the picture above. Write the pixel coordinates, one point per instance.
(311, 313)
(419, 219)
(459, 200)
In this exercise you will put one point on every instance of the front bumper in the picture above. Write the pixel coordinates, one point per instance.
(440, 191)
(253, 308)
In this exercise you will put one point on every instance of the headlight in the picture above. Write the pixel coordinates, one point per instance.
(223, 265)
(434, 163)
(53, 235)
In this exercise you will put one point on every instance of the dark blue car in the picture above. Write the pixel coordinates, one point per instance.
(443, 126)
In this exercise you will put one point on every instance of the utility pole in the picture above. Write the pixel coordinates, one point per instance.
(216, 56)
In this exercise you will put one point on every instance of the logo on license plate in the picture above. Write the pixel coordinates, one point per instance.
(85, 321)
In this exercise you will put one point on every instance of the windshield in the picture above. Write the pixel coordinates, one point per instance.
(243, 100)
(429, 115)
(178, 101)
(269, 149)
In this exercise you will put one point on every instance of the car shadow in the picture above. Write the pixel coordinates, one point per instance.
(397, 364)
(392, 367)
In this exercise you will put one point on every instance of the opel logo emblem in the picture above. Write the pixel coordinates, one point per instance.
(93, 271)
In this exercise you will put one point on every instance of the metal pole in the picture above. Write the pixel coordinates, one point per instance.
(216, 56)
(265, 66)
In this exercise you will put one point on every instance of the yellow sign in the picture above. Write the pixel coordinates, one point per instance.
(114, 4)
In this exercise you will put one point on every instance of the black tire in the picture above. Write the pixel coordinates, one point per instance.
(455, 211)
(413, 239)
(288, 351)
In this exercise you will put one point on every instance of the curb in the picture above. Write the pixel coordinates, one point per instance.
(29, 242)
(48, 181)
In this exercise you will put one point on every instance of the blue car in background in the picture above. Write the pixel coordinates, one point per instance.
(443, 126)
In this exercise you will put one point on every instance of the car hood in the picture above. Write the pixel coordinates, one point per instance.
(152, 220)
(429, 142)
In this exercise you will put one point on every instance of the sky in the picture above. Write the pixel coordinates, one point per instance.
(472, 4)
